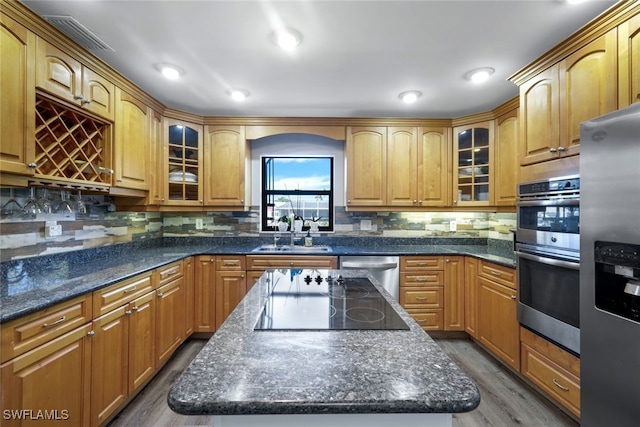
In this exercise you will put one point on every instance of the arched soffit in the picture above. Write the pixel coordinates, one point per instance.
(337, 133)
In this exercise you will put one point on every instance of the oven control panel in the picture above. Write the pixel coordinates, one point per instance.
(618, 254)
(550, 186)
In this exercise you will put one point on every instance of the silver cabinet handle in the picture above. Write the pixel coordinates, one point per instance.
(32, 165)
(85, 101)
(128, 312)
(128, 291)
(160, 294)
(91, 333)
(60, 320)
(561, 148)
(552, 150)
(513, 297)
(560, 386)
(78, 97)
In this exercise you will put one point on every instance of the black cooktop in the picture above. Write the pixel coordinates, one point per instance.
(313, 300)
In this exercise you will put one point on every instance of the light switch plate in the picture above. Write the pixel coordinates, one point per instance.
(453, 225)
(365, 224)
(199, 224)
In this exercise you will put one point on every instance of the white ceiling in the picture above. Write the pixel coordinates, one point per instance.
(354, 60)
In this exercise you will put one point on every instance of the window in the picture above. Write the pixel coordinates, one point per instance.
(300, 186)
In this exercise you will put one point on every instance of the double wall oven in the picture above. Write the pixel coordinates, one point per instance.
(547, 247)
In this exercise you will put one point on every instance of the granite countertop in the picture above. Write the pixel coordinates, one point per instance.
(33, 284)
(242, 371)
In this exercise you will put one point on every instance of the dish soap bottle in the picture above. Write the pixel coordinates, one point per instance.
(308, 240)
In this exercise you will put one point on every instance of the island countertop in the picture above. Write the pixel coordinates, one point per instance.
(245, 372)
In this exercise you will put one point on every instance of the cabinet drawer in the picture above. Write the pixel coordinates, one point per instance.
(23, 334)
(170, 272)
(559, 383)
(421, 298)
(421, 263)
(559, 356)
(121, 293)
(424, 278)
(230, 263)
(429, 320)
(498, 273)
(264, 262)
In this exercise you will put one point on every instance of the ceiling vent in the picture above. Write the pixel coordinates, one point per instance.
(78, 32)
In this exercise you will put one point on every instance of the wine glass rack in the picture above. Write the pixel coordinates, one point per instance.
(70, 145)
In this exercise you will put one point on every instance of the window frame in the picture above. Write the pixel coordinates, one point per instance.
(265, 193)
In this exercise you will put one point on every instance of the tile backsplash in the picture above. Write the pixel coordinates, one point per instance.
(22, 237)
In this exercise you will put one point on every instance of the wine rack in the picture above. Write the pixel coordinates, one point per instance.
(71, 146)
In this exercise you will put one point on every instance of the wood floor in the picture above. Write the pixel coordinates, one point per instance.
(505, 399)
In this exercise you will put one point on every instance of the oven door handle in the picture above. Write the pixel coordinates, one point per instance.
(550, 202)
(549, 261)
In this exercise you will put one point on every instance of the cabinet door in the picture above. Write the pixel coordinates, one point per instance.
(55, 376)
(506, 170)
(540, 117)
(366, 151)
(592, 67)
(473, 165)
(189, 290)
(131, 148)
(17, 103)
(98, 94)
(58, 73)
(204, 292)
(629, 62)
(454, 293)
(498, 324)
(231, 287)
(109, 373)
(184, 161)
(471, 294)
(434, 166)
(169, 319)
(402, 167)
(226, 164)
(142, 336)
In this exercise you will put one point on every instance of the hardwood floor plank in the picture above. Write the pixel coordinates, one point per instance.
(506, 401)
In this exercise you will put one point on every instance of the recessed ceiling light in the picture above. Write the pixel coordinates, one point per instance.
(169, 71)
(410, 96)
(287, 38)
(238, 95)
(479, 75)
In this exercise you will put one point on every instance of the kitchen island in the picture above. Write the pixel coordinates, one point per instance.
(355, 377)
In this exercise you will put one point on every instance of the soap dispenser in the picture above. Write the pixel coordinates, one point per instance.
(308, 240)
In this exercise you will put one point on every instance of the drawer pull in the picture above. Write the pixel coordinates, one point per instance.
(422, 279)
(420, 320)
(60, 320)
(422, 298)
(560, 386)
(171, 273)
(230, 263)
(128, 291)
(421, 263)
(496, 273)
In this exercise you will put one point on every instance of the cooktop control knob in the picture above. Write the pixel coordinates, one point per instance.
(307, 279)
(319, 280)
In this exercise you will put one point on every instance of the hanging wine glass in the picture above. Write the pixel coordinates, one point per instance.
(12, 207)
(64, 206)
(31, 207)
(80, 206)
(44, 202)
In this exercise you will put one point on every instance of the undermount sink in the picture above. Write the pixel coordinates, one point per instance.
(289, 248)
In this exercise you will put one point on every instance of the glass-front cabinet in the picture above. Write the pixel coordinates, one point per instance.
(184, 163)
(473, 153)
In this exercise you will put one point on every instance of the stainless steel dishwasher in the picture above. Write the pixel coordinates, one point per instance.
(386, 269)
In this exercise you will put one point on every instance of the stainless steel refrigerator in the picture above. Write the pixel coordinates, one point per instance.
(610, 269)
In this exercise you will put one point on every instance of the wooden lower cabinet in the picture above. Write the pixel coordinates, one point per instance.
(498, 325)
(454, 293)
(231, 287)
(169, 319)
(471, 317)
(552, 369)
(189, 290)
(55, 378)
(142, 336)
(422, 290)
(204, 294)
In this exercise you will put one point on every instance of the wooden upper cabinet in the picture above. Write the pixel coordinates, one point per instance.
(539, 103)
(366, 151)
(434, 166)
(184, 172)
(67, 79)
(629, 62)
(506, 170)
(131, 148)
(226, 165)
(473, 164)
(17, 102)
(402, 170)
(588, 84)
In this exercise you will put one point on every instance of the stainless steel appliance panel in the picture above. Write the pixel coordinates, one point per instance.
(386, 269)
(610, 202)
